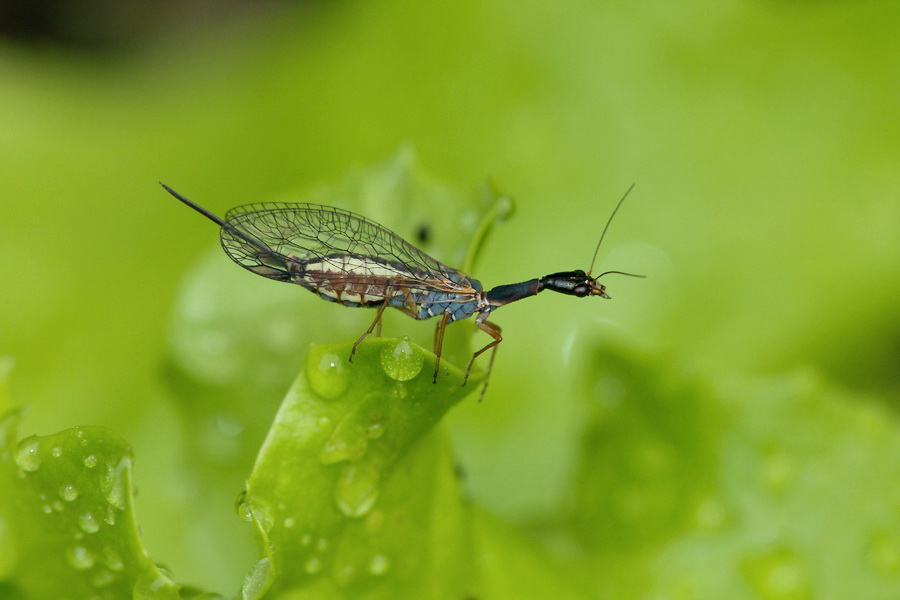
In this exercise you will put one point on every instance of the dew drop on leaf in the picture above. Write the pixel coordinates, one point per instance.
(68, 492)
(112, 560)
(88, 522)
(102, 578)
(356, 490)
(28, 457)
(379, 564)
(375, 430)
(313, 565)
(80, 557)
(244, 511)
(326, 375)
(347, 443)
(402, 362)
(157, 585)
(113, 485)
(257, 580)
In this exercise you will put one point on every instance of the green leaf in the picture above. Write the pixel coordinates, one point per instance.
(354, 493)
(67, 527)
(780, 487)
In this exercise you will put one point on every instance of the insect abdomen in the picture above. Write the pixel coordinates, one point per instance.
(358, 280)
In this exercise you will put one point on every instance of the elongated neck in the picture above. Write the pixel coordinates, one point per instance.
(504, 294)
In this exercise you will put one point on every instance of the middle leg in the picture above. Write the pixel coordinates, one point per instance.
(439, 343)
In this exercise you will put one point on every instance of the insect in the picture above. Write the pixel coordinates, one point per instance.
(346, 258)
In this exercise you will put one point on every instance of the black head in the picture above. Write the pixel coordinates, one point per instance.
(574, 283)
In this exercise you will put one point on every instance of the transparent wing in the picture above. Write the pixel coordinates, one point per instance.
(267, 237)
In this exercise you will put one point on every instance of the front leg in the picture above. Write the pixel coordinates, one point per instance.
(492, 330)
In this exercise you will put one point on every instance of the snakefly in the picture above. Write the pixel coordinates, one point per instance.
(346, 258)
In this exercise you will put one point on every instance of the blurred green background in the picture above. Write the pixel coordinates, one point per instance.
(763, 138)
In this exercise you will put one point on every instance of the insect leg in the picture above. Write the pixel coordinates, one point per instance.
(377, 321)
(492, 330)
(439, 343)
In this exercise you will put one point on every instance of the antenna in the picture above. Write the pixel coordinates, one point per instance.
(607, 227)
(619, 273)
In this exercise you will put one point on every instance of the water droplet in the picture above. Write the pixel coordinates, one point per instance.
(28, 457)
(255, 511)
(58, 505)
(306, 539)
(90, 461)
(56, 451)
(321, 544)
(103, 578)
(356, 490)
(313, 565)
(402, 362)
(290, 522)
(348, 442)
(112, 483)
(375, 430)
(155, 585)
(259, 579)
(244, 511)
(80, 557)
(326, 374)
(88, 523)
(112, 560)
(379, 564)
(110, 517)
(47, 509)
(68, 492)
